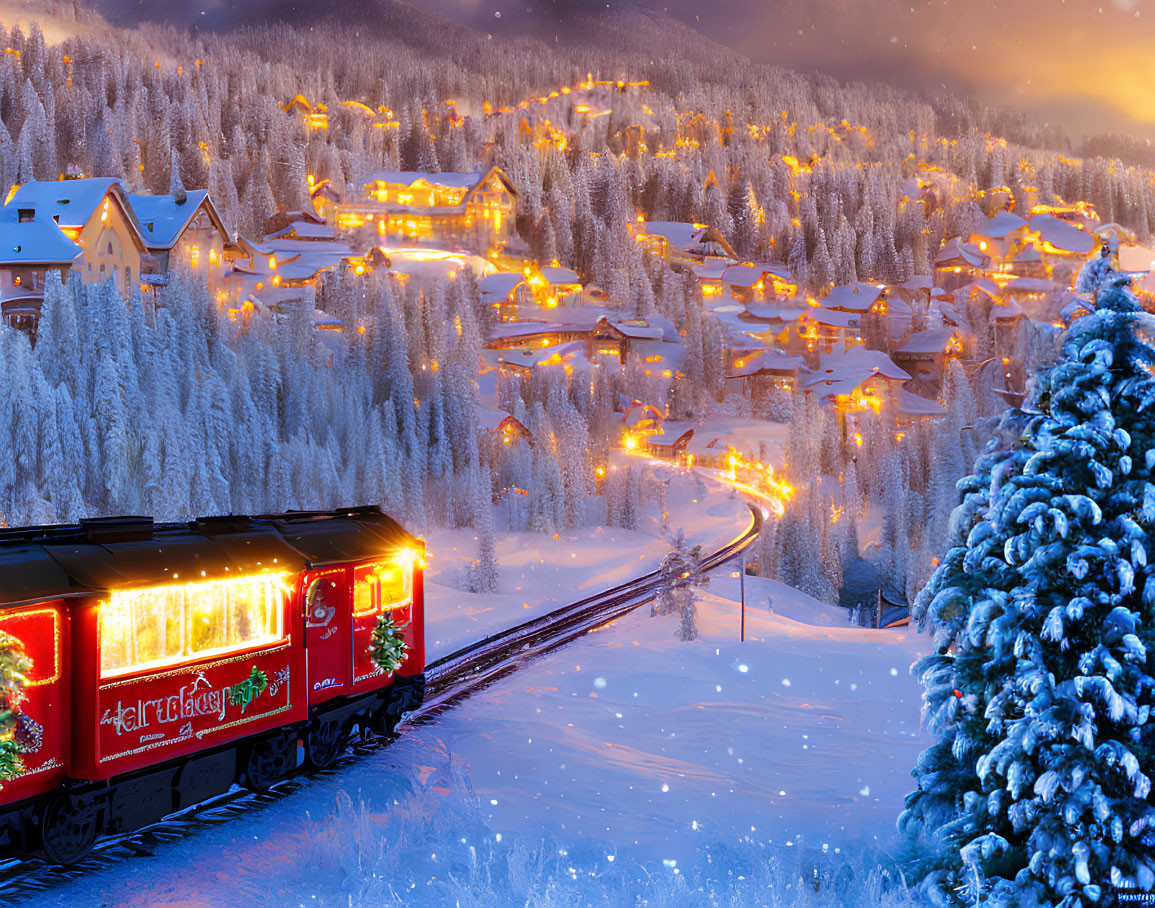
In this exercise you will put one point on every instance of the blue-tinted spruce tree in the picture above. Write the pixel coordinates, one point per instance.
(1040, 688)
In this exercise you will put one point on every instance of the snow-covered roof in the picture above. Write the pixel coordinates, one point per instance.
(914, 406)
(1001, 225)
(410, 177)
(306, 230)
(955, 248)
(556, 275)
(983, 285)
(930, 340)
(38, 241)
(1063, 235)
(856, 297)
(749, 275)
(640, 412)
(830, 318)
(161, 219)
(497, 287)
(710, 272)
(486, 418)
(70, 202)
(661, 355)
(918, 282)
(633, 330)
(860, 358)
(679, 234)
(771, 312)
(768, 361)
(670, 437)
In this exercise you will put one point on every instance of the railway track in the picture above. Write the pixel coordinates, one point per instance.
(448, 680)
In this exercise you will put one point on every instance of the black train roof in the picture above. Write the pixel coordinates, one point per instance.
(124, 553)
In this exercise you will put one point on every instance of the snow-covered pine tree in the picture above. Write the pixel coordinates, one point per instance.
(1040, 687)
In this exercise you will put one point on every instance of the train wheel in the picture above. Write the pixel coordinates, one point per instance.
(270, 760)
(325, 741)
(68, 828)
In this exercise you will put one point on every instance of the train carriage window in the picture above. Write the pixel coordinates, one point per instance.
(386, 586)
(152, 627)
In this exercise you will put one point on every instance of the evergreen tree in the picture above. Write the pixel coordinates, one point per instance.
(1040, 688)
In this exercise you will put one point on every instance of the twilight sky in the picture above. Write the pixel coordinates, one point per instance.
(1087, 64)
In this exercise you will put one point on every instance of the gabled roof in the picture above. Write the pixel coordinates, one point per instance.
(70, 202)
(305, 230)
(498, 286)
(749, 275)
(1062, 235)
(830, 318)
(38, 241)
(768, 361)
(1000, 225)
(955, 248)
(162, 219)
(859, 358)
(556, 275)
(856, 297)
(913, 406)
(930, 340)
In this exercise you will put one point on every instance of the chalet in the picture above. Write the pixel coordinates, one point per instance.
(958, 262)
(669, 445)
(476, 209)
(683, 243)
(501, 426)
(859, 298)
(709, 276)
(825, 331)
(523, 361)
(926, 354)
(766, 371)
(30, 248)
(759, 283)
(96, 215)
(854, 380)
(1060, 238)
(551, 286)
(620, 337)
(313, 116)
(185, 230)
(639, 422)
(503, 290)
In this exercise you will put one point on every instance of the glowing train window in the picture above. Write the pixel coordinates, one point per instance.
(169, 624)
(386, 586)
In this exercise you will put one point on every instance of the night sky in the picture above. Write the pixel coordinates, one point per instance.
(1087, 64)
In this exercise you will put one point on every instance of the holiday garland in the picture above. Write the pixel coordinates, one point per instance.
(18, 733)
(388, 650)
(245, 692)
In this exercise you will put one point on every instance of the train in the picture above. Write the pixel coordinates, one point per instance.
(146, 667)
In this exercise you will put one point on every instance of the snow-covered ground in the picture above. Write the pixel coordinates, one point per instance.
(540, 573)
(627, 767)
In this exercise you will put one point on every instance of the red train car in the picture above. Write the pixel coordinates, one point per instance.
(144, 668)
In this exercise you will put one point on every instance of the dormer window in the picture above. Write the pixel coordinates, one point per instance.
(25, 214)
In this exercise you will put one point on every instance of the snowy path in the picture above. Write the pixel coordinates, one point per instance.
(627, 764)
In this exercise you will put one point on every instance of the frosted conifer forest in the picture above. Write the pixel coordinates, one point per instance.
(582, 296)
